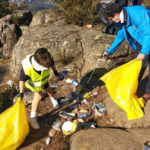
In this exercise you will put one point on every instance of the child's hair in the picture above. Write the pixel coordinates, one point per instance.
(42, 57)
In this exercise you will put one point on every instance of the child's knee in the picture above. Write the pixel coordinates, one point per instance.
(38, 95)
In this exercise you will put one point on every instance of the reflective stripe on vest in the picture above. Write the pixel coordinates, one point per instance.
(36, 82)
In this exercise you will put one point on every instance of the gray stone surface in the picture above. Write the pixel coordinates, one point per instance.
(74, 48)
(109, 139)
(9, 35)
(45, 16)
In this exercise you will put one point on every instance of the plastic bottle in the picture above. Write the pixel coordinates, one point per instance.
(78, 90)
(74, 83)
(57, 125)
(72, 96)
(83, 115)
(66, 115)
(53, 86)
(74, 106)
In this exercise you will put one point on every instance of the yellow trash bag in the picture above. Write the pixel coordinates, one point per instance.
(13, 126)
(121, 84)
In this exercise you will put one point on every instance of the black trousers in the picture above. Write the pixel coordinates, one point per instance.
(137, 2)
(145, 62)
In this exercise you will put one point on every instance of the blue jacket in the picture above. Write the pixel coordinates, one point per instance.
(138, 26)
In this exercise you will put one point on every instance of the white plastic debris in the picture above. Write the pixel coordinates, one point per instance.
(48, 141)
(92, 126)
(94, 93)
(69, 80)
(11, 83)
(86, 102)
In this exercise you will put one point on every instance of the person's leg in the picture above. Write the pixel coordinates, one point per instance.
(33, 119)
(36, 100)
(144, 62)
(53, 100)
(146, 96)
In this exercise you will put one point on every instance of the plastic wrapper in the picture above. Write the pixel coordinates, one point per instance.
(122, 84)
(13, 126)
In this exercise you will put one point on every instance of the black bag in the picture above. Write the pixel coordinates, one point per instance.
(109, 27)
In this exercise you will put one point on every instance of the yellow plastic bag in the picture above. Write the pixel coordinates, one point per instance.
(13, 126)
(121, 84)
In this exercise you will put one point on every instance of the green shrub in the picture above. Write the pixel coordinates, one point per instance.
(50, 20)
(79, 12)
(15, 18)
(6, 98)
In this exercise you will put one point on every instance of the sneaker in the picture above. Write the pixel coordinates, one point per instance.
(33, 122)
(146, 97)
(55, 103)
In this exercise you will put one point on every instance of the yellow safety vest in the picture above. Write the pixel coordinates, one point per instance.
(36, 82)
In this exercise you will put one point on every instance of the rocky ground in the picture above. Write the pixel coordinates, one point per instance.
(115, 118)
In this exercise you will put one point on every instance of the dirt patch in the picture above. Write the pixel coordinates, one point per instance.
(36, 139)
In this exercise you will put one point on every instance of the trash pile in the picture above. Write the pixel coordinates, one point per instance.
(79, 112)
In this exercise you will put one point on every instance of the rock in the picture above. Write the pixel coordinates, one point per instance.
(52, 132)
(28, 97)
(78, 55)
(89, 26)
(45, 16)
(109, 139)
(24, 29)
(25, 17)
(9, 35)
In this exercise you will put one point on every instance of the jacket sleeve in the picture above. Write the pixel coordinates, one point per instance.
(117, 42)
(143, 26)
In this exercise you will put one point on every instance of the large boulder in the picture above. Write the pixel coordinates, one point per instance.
(75, 48)
(109, 139)
(45, 16)
(9, 35)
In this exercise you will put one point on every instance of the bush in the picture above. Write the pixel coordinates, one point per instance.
(6, 98)
(15, 18)
(50, 20)
(79, 12)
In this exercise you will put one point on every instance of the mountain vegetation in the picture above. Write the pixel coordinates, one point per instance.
(79, 12)
(4, 8)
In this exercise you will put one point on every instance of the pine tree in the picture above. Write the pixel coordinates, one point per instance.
(4, 8)
(79, 12)
(23, 5)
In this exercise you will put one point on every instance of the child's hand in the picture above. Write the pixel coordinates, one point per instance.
(56, 73)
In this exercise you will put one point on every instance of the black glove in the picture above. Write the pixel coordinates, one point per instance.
(56, 73)
(21, 95)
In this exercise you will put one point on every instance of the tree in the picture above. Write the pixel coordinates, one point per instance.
(4, 8)
(23, 5)
(79, 12)
(13, 7)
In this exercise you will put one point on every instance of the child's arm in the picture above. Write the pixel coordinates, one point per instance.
(54, 70)
(21, 86)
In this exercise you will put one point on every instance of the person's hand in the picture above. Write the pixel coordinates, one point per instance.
(56, 73)
(105, 55)
(140, 56)
(21, 95)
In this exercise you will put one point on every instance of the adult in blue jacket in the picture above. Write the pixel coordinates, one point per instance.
(135, 29)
